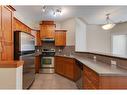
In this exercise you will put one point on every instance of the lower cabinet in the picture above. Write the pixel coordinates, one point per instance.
(90, 79)
(37, 63)
(66, 67)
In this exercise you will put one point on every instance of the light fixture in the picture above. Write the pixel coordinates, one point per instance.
(44, 8)
(109, 23)
(55, 11)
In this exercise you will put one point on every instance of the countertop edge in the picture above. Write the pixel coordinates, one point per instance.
(11, 64)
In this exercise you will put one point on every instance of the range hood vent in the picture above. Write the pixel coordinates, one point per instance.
(48, 40)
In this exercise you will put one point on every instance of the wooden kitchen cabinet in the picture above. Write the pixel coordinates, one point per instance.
(47, 30)
(19, 26)
(59, 63)
(90, 79)
(60, 37)
(65, 66)
(38, 39)
(6, 25)
(37, 63)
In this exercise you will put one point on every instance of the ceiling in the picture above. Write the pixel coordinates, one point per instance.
(91, 14)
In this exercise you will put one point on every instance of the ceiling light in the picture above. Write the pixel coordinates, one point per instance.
(57, 12)
(44, 8)
(54, 14)
(109, 23)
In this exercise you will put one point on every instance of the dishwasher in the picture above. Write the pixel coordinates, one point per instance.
(79, 81)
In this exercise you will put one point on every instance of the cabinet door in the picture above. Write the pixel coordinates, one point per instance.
(50, 31)
(7, 35)
(38, 39)
(7, 23)
(65, 67)
(60, 38)
(47, 31)
(90, 78)
(7, 52)
(37, 64)
(59, 65)
(69, 68)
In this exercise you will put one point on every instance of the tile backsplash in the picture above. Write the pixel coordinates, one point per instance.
(67, 50)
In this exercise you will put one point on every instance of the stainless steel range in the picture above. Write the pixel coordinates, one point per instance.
(47, 61)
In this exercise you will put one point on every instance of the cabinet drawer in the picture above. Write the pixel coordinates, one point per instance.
(92, 76)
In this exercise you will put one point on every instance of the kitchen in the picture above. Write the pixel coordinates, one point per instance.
(63, 47)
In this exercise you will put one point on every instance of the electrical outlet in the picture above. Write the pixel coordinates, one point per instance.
(94, 58)
(113, 62)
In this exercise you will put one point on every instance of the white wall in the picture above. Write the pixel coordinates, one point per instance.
(80, 36)
(120, 30)
(119, 44)
(98, 40)
(58, 25)
(92, 37)
(69, 25)
(29, 23)
(11, 78)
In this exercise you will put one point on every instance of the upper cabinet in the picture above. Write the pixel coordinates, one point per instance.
(38, 39)
(19, 26)
(60, 37)
(47, 29)
(6, 32)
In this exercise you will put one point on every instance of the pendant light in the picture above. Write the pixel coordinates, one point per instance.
(109, 23)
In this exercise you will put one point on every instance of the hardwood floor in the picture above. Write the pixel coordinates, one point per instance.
(52, 81)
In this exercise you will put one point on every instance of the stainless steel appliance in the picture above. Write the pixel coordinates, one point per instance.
(79, 81)
(47, 61)
(24, 50)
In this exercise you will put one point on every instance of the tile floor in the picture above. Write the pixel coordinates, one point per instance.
(52, 81)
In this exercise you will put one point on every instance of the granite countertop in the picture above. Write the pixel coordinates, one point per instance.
(103, 69)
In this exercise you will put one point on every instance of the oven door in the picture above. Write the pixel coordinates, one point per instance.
(47, 62)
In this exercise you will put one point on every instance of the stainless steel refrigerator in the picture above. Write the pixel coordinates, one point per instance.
(24, 48)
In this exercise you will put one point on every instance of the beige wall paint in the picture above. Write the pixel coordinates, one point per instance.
(11, 78)
(80, 36)
(119, 29)
(98, 40)
(29, 23)
(69, 25)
